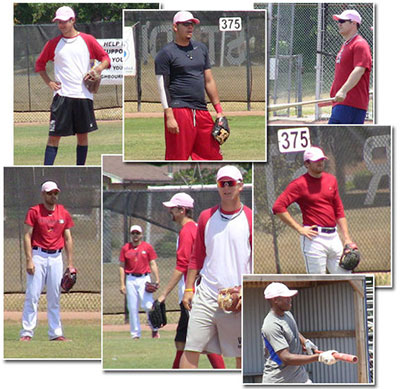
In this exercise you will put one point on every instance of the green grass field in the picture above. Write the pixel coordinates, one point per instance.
(85, 336)
(30, 142)
(121, 352)
(144, 139)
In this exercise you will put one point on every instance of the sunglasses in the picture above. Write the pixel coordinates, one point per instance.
(54, 192)
(135, 233)
(341, 21)
(187, 24)
(222, 184)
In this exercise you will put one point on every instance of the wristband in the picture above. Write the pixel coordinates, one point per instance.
(189, 290)
(218, 108)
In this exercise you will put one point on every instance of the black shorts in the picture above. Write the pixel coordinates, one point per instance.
(70, 116)
(181, 329)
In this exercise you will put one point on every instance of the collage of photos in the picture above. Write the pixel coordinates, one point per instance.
(193, 190)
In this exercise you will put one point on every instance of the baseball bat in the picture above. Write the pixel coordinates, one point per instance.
(278, 107)
(342, 357)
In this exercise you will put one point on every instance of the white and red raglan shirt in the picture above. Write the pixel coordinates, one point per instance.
(73, 58)
(223, 246)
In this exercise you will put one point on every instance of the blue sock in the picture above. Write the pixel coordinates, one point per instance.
(50, 155)
(81, 153)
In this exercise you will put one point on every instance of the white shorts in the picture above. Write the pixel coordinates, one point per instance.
(212, 330)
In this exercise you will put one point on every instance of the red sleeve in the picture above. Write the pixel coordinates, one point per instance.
(187, 236)
(362, 55)
(152, 255)
(249, 215)
(287, 197)
(47, 54)
(95, 50)
(122, 253)
(30, 217)
(337, 203)
(68, 219)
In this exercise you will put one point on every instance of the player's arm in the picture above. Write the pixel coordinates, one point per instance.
(176, 276)
(351, 82)
(163, 84)
(307, 231)
(290, 359)
(122, 288)
(69, 246)
(212, 92)
(344, 229)
(189, 289)
(154, 271)
(104, 64)
(53, 85)
(30, 266)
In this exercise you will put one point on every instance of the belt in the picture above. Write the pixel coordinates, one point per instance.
(325, 230)
(137, 274)
(47, 251)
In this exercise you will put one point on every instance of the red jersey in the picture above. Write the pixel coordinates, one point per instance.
(187, 235)
(354, 52)
(318, 199)
(137, 259)
(48, 226)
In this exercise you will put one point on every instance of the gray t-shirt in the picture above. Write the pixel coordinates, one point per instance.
(280, 332)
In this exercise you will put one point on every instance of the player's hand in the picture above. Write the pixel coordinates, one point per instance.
(327, 358)
(220, 115)
(187, 300)
(172, 125)
(309, 347)
(122, 289)
(30, 267)
(340, 96)
(55, 85)
(161, 298)
(308, 232)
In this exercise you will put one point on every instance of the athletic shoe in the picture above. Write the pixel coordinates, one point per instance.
(25, 339)
(61, 339)
(155, 335)
(135, 337)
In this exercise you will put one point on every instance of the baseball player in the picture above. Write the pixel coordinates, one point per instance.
(221, 254)
(284, 345)
(317, 194)
(180, 208)
(47, 233)
(137, 261)
(71, 112)
(183, 71)
(350, 86)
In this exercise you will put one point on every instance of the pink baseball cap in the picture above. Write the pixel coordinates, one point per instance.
(64, 13)
(349, 14)
(48, 186)
(179, 200)
(135, 227)
(276, 289)
(229, 171)
(185, 16)
(314, 154)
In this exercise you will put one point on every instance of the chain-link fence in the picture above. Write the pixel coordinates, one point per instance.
(80, 194)
(237, 57)
(121, 209)
(360, 158)
(303, 41)
(32, 96)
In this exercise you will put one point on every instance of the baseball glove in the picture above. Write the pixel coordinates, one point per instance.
(69, 279)
(350, 257)
(151, 287)
(92, 80)
(157, 315)
(230, 299)
(221, 130)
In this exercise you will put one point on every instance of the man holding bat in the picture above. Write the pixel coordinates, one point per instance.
(284, 345)
(350, 87)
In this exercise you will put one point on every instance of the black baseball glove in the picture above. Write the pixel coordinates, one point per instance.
(157, 315)
(350, 257)
(69, 279)
(221, 131)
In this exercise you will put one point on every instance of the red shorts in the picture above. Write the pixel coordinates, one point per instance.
(194, 138)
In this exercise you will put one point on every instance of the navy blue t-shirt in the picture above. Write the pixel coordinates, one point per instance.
(184, 66)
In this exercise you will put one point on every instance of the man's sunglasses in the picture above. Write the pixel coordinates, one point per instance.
(341, 21)
(187, 24)
(135, 233)
(54, 192)
(222, 184)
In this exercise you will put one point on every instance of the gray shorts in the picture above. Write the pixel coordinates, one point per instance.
(212, 330)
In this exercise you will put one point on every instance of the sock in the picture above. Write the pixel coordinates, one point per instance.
(81, 153)
(178, 356)
(50, 155)
(217, 361)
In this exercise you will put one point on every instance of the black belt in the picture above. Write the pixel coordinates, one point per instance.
(325, 230)
(47, 251)
(137, 274)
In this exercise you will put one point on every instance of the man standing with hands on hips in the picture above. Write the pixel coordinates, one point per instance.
(47, 233)
(183, 72)
(350, 86)
(221, 255)
(137, 261)
(317, 194)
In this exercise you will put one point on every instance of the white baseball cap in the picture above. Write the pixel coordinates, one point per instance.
(276, 289)
(179, 200)
(349, 14)
(313, 154)
(48, 186)
(136, 228)
(64, 13)
(185, 16)
(229, 171)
